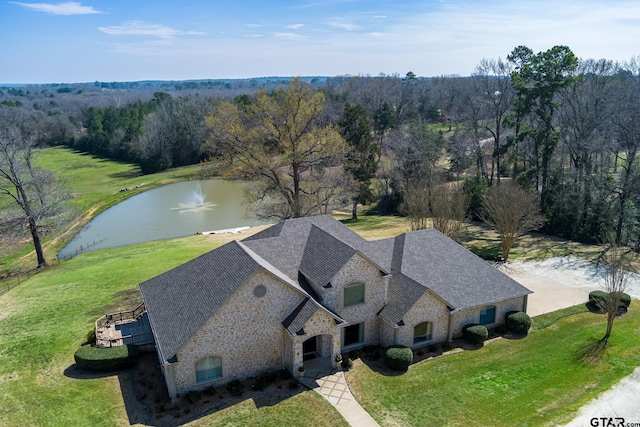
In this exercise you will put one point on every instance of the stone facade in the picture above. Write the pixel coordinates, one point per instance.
(472, 315)
(322, 326)
(246, 333)
(360, 270)
(428, 308)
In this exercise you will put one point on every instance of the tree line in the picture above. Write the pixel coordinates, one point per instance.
(563, 129)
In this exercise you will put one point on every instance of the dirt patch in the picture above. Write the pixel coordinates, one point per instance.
(147, 394)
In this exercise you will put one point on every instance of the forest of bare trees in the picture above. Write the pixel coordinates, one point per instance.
(565, 130)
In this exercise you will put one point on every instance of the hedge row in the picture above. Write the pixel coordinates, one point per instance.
(598, 301)
(106, 359)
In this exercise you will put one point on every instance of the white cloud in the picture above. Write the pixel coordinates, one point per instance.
(344, 25)
(67, 8)
(288, 36)
(295, 26)
(141, 28)
(380, 16)
(255, 36)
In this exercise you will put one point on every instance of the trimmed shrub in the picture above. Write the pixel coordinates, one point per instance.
(346, 363)
(625, 299)
(518, 322)
(398, 357)
(598, 298)
(598, 301)
(106, 359)
(475, 334)
(235, 388)
(91, 336)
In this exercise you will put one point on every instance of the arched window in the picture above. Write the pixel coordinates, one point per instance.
(353, 294)
(422, 332)
(488, 315)
(208, 369)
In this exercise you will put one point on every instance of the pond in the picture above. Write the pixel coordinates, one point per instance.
(170, 211)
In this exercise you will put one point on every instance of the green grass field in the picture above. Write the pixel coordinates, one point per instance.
(534, 381)
(44, 321)
(94, 185)
(538, 380)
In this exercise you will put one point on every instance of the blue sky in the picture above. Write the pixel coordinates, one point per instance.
(127, 40)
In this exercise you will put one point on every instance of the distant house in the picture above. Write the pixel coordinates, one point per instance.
(312, 288)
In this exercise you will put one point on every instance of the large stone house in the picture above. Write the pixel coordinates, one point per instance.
(312, 288)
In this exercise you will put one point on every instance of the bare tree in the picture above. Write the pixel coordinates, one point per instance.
(415, 203)
(492, 78)
(512, 211)
(448, 210)
(34, 190)
(431, 199)
(615, 283)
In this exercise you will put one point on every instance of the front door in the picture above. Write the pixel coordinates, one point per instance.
(309, 349)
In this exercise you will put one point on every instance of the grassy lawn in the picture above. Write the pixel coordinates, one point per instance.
(533, 381)
(305, 409)
(95, 185)
(44, 320)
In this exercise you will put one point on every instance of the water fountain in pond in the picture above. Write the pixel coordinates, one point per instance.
(197, 202)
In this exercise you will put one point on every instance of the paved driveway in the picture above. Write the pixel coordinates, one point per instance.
(548, 294)
(565, 284)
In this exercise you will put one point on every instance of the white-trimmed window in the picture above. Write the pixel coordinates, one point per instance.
(353, 294)
(488, 315)
(422, 332)
(208, 369)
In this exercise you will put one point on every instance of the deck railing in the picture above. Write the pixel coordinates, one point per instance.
(138, 339)
(120, 316)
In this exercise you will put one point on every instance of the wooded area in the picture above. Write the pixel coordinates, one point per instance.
(564, 129)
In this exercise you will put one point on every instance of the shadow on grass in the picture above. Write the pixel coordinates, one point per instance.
(147, 402)
(592, 352)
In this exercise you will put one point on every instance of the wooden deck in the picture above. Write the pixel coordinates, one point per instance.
(130, 327)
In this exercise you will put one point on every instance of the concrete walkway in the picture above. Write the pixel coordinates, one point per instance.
(332, 385)
(617, 403)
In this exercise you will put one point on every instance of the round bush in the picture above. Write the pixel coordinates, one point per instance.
(598, 298)
(346, 363)
(106, 359)
(475, 334)
(398, 357)
(518, 322)
(625, 299)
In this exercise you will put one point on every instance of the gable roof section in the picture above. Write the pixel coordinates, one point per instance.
(181, 300)
(284, 247)
(456, 275)
(294, 323)
(403, 293)
(324, 255)
(273, 231)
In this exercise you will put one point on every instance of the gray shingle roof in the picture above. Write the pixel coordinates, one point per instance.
(181, 300)
(324, 255)
(284, 247)
(454, 274)
(299, 316)
(402, 294)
